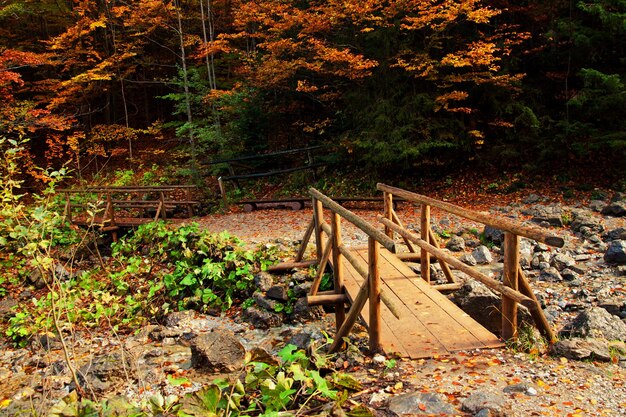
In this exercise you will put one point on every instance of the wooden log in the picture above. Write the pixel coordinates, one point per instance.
(424, 255)
(444, 266)
(509, 278)
(503, 224)
(340, 313)
(354, 219)
(326, 299)
(353, 314)
(388, 201)
(305, 240)
(540, 319)
(286, 266)
(397, 221)
(374, 296)
(489, 282)
(220, 182)
(318, 217)
(448, 287)
(321, 267)
(408, 257)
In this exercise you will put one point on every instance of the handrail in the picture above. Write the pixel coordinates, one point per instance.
(364, 225)
(503, 224)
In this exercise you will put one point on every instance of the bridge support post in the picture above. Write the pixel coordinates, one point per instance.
(388, 201)
(424, 234)
(340, 311)
(510, 279)
(374, 295)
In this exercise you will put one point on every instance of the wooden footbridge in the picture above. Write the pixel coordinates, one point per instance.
(109, 208)
(404, 313)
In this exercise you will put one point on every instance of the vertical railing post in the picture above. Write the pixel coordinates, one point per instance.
(109, 212)
(68, 207)
(318, 215)
(388, 200)
(220, 182)
(374, 294)
(510, 279)
(189, 205)
(424, 234)
(163, 209)
(340, 312)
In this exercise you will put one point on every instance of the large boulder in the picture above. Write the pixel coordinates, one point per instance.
(596, 322)
(262, 319)
(479, 401)
(616, 253)
(482, 255)
(104, 373)
(616, 208)
(218, 350)
(456, 244)
(493, 235)
(581, 349)
(263, 281)
(546, 215)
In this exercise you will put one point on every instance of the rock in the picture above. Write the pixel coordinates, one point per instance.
(6, 307)
(62, 273)
(570, 275)
(421, 404)
(561, 261)
(278, 293)
(303, 338)
(546, 215)
(550, 274)
(580, 349)
(302, 289)
(468, 259)
(456, 244)
(531, 199)
(264, 302)
(524, 388)
(36, 279)
(597, 205)
(479, 401)
(616, 209)
(616, 253)
(261, 319)
(484, 306)
(584, 219)
(263, 281)
(596, 322)
(493, 235)
(303, 312)
(300, 276)
(49, 341)
(104, 372)
(541, 247)
(482, 255)
(177, 317)
(615, 234)
(218, 350)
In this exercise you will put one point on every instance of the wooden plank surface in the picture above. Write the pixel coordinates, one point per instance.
(430, 324)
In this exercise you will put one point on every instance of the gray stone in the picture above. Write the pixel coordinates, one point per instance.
(304, 338)
(546, 216)
(615, 234)
(618, 196)
(616, 253)
(569, 275)
(596, 322)
(479, 401)
(482, 255)
(36, 279)
(616, 209)
(6, 307)
(580, 349)
(218, 350)
(104, 372)
(261, 319)
(550, 274)
(456, 244)
(468, 259)
(263, 301)
(177, 317)
(541, 247)
(494, 235)
(49, 341)
(302, 289)
(263, 281)
(300, 276)
(531, 199)
(302, 312)
(523, 387)
(278, 293)
(421, 404)
(583, 219)
(561, 261)
(597, 205)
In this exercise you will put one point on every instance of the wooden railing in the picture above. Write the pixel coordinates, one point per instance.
(101, 205)
(515, 287)
(333, 246)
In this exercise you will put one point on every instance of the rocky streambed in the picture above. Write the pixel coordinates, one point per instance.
(582, 287)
